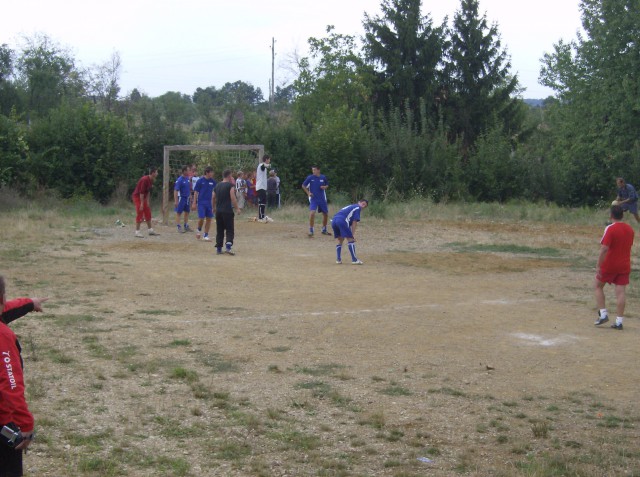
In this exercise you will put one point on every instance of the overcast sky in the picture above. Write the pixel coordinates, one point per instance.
(180, 45)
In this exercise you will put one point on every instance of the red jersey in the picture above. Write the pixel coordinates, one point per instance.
(13, 405)
(619, 238)
(143, 187)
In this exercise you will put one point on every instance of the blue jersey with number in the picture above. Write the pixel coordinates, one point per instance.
(183, 186)
(348, 214)
(204, 187)
(314, 184)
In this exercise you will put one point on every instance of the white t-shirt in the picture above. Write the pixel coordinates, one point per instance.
(261, 176)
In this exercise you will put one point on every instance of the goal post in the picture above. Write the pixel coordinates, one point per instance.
(224, 156)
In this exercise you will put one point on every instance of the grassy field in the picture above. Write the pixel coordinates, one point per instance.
(464, 345)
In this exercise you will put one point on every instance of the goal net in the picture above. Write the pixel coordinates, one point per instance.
(220, 157)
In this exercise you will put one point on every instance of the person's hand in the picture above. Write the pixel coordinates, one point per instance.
(27, 439)
(37, 303)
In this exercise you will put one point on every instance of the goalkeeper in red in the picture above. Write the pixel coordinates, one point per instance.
(344, 225)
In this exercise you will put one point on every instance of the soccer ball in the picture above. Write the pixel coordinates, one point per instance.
(615, 202)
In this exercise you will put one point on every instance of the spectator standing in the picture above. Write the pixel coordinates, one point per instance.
(14, 411)
(627, 197)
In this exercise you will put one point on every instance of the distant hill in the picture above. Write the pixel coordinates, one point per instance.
(534, 103)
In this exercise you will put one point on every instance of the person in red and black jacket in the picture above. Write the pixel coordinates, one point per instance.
(13, 405)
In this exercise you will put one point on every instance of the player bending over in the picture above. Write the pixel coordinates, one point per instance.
(344, 225)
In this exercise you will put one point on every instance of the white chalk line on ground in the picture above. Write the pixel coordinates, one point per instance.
(363, 311)
(537, 340)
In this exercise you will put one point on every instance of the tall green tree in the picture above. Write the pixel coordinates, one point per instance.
(334, 75)
(481, 89)
(596, 122)
(407, 52)
(48, 75)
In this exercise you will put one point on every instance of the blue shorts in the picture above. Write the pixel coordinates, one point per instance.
(319, 205)
(183, 205)
(341, 229)
(630, 207)
(205, 210)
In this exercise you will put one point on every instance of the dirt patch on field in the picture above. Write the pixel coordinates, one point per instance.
(157, 357)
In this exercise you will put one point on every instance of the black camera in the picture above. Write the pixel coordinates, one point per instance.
(10, 435)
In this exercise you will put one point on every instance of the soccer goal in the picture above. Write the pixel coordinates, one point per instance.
(229, 156)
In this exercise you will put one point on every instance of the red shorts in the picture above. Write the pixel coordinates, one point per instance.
(615, 278)
(143, 215)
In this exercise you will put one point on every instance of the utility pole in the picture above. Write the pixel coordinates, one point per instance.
(271, 85)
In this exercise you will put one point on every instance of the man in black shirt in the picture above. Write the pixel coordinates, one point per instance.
(225, 202)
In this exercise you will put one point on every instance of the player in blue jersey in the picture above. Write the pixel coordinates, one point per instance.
(344, 225)
(181, 196)
(203, 199)
(315, 187)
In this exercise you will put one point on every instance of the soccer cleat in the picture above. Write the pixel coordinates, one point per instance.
(601, 319)
(324, 232)
(206, 238)
(153, 232)
(229, 252)
(187, 228)
(356, 262)
(219, 251)
(138, 234)
(617, 326)
(339, 262)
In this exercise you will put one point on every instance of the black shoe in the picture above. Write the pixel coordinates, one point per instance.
(601, 319)
(616, 326)
(325, 232)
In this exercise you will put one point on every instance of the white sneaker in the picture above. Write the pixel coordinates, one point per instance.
(206, 238)
(339, 262)
(268, 219)
(153, 232)
(357, 262)
(262, 221)
(138, 234)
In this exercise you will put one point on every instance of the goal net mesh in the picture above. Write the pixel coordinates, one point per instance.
(234, 157)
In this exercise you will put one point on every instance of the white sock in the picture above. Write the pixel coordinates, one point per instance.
(619, 320)
(603, 312)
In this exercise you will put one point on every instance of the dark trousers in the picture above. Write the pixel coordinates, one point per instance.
(272, 200)
(10, 462)
(224, 223)
(262, 203)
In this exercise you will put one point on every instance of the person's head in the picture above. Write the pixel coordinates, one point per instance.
(620, 182)
(208, 172)
(153, 172)
(616, 212)
(315, 170)
(266, 159)
(272, 173)
(363, 203)
(240, 174)
(185, 170)
(226, 175)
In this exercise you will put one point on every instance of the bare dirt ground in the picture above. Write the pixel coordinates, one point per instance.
(157, 357)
